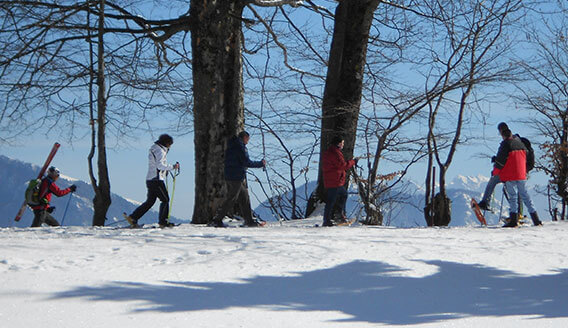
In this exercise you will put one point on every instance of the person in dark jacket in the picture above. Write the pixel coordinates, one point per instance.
(236, 163)
(42, 212)
(334, 173)
(511, 167)
(158, 168)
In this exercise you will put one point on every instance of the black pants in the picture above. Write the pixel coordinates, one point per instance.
(237, 191)
(41, 216)
(334, 195)
(156, 189)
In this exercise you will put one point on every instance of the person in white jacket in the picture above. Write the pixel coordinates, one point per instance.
(158, 168)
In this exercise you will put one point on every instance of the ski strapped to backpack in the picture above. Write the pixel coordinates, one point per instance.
(39, 176)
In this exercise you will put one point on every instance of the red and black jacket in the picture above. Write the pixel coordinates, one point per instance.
(47, 188)
(511, 160)
(334, 167)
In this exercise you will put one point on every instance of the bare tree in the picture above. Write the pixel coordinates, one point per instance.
(48, 69)
(344, 81)
(43, 65)
(472, 53)
(218, 93)
(545, 96)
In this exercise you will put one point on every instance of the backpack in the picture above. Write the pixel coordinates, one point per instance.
(32, 192)
(530, 153)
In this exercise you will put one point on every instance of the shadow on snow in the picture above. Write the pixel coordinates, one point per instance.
(367, 291)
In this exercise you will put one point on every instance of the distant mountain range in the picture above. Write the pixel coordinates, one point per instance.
(408, 212)
(13, 181)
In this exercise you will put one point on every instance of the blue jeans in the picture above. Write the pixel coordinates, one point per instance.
(333, 195)
(520, 185)
(494, 181)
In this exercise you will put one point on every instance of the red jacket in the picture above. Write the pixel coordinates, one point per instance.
(334, 167)
(47, 188)
(511, 160)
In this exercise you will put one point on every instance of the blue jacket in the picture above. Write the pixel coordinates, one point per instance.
(237, 160)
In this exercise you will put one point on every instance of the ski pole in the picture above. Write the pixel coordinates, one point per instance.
(501, 208)
(66, 207)
(177, 171)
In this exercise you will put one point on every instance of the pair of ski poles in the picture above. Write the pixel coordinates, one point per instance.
(174, 175)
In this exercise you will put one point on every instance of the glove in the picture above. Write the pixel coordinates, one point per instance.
(50, 209)
(176, 166)
(356, 161)
(493, 159)
(73, 188)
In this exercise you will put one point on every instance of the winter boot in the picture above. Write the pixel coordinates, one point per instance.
(513, 221)
(217, 223)
(133, 223)
(327, 224)
(253, 223)
(166, 225)
(483, 205)
(536, 221)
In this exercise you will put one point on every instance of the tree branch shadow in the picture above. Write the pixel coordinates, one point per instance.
(366, 291)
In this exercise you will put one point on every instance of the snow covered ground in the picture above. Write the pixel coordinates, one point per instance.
(294, 275)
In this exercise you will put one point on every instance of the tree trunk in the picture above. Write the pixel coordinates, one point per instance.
(102, 200)
(442, 210)
(216, 41)
(344, 82)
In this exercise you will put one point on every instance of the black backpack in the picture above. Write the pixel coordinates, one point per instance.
(530, 153)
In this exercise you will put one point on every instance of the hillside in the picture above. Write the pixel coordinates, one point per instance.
(408, 212)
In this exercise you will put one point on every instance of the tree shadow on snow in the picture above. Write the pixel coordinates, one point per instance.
(367, 291)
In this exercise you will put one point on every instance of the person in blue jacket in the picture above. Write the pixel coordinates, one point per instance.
(236, 163)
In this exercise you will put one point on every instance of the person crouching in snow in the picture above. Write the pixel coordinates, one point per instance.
(334, 173)
(42, 212)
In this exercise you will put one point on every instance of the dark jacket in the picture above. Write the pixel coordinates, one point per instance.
(334, 167)
(511, 160)
(47, 188)
(237, 160)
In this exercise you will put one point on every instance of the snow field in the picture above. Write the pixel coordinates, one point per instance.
(294, 275)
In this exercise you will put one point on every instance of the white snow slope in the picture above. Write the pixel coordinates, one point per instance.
(294, 275)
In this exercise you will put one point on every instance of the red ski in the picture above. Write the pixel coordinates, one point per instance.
(39, 176)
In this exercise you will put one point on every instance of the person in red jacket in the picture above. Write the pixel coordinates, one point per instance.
(511, 167)
(42, 212)
(334, 173)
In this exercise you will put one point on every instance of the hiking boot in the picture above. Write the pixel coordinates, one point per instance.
(483, 205)
(254, 224)
(536, 221)
(217, 224)
(133, 223)
(328, 224)
(340, 220)
(512, 222)
(167, 225)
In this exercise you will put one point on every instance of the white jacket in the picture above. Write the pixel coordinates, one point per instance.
(157, 164)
